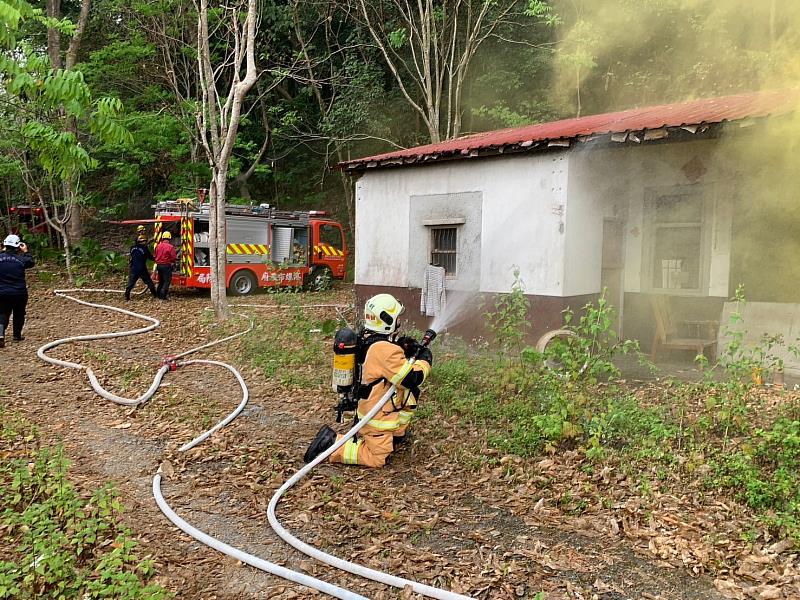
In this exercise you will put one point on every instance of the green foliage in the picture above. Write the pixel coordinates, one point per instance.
(525, 410)
(509, 320)
(40, 245)
(12, 12)
(741, 367)
(541, 10)
(64, 545)
(593, 345)
(398, 38)
(765, 474)
(297, 354)
(96, 261)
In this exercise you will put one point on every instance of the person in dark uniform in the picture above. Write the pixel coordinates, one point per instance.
(14, 261)
(139, 256)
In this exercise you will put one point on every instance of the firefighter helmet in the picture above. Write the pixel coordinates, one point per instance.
(381, 313)
(166, 235)
(12, 241)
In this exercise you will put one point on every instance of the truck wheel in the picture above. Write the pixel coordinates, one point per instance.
(319, 279)
(243, 283)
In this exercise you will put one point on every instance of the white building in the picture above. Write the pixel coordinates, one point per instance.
(643, 202)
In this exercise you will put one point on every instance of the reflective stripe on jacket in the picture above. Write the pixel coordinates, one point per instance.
(385, 360)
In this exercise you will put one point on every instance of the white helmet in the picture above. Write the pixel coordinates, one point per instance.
(381, 312)
(12, 241)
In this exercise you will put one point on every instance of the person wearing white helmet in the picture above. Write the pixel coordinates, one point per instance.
(14, 261)
(385, 360)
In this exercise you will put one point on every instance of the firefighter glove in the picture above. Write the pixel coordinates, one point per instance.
(408, 344)
(426, 355)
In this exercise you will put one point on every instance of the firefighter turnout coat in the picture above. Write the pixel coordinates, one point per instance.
(385, 364)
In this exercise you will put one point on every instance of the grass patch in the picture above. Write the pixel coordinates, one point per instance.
(55, 543)
(714, 433)
(764, 474)
(292, 346)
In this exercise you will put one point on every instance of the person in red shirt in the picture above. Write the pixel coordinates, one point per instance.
(165, 257)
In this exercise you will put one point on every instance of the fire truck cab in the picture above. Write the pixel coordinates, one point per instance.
(264, 247)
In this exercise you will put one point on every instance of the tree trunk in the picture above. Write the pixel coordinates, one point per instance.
(53, 35)
(217, 247)
(75, 42)
(221, 121)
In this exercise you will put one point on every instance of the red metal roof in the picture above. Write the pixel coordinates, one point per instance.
(685, 114)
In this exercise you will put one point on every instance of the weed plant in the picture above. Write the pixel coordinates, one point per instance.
(715, 433)
(56, 543)
(292, 346)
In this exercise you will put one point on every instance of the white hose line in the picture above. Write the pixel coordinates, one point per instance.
(335, 561)
(154, 323)
(212, 542)
(251, 560)
(245, 397)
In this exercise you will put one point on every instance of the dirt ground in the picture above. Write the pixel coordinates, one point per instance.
(490, 530)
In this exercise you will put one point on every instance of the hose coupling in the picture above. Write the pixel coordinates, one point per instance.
(171, 362)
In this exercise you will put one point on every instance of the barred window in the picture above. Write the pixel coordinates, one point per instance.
(444, 244)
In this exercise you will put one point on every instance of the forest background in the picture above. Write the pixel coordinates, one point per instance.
(101, 99)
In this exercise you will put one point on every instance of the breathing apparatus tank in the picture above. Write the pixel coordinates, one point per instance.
(345, 346)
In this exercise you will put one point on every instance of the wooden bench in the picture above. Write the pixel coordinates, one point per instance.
(666, 334)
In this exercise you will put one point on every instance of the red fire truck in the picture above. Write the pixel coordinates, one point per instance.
(265, 247)
(30, 216)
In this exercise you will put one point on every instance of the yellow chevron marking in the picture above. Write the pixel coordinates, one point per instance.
(316, 248)
(247, 249)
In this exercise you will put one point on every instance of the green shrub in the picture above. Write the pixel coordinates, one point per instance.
(764, 474)
(509, 319)
(64, 545)
(593, 345)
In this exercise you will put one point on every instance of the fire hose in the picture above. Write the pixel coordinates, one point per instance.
(172, 363)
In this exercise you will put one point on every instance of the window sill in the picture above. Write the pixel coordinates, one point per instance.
(441, 222)
(676, 292)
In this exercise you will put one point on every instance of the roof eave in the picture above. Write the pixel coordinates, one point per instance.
(629, 138)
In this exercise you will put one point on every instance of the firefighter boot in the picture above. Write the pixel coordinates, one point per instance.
(324, 440)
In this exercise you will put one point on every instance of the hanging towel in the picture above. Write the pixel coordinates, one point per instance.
(434, 297)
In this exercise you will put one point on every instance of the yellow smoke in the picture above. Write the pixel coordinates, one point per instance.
(615, 54)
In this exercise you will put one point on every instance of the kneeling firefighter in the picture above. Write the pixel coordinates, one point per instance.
(377, 360)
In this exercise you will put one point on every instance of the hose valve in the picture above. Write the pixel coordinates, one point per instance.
(171, 362)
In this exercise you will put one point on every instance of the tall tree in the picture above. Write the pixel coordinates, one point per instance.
(223, 86)
(49, 120)
(74, 224)
(337, 68)
(428, 48)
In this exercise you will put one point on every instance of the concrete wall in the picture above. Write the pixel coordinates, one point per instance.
(614, 183)
(446, 210)
(521, 222)
(764, 318)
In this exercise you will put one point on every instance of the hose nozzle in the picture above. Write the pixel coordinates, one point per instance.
(429, 336)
